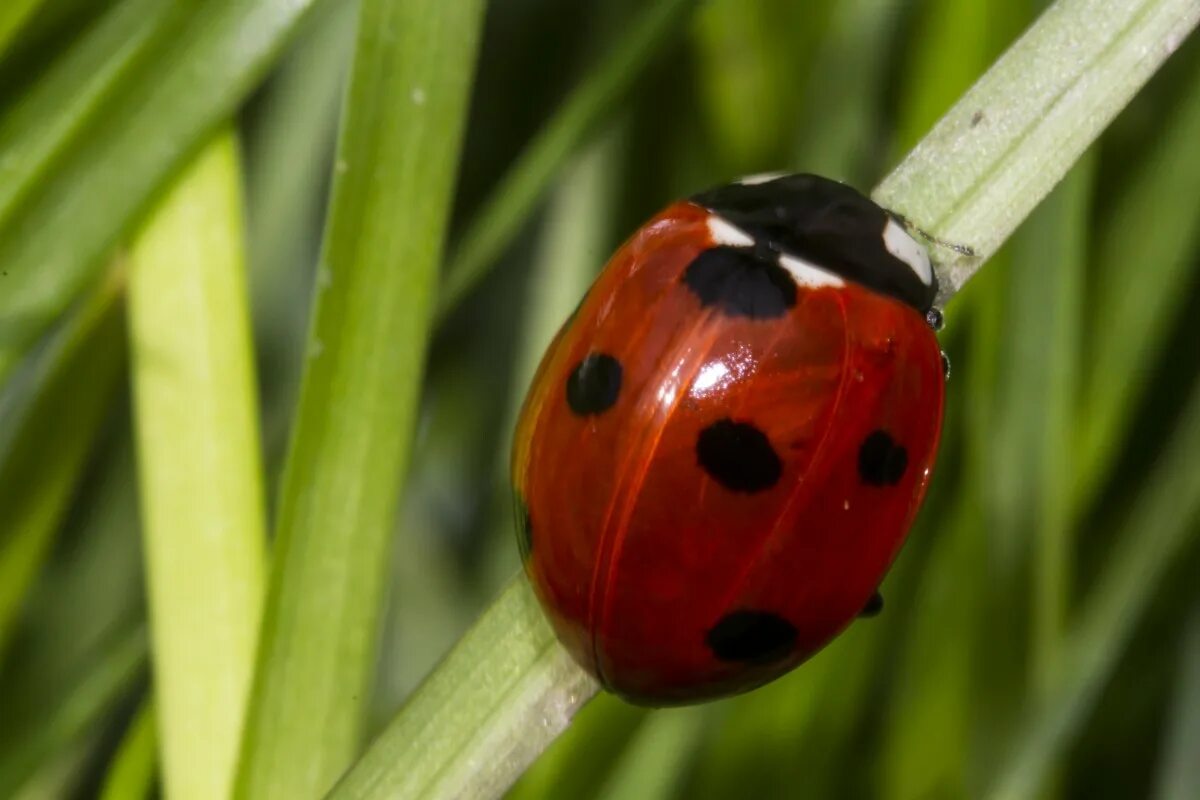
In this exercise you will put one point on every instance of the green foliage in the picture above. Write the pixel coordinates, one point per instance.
(1040, 633)
(396, 164)
(199, 469)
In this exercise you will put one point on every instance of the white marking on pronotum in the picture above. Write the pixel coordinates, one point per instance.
(808, 274)
(726, 233)
(904, 247)
(762, 177)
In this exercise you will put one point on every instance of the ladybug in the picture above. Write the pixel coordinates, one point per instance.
(726, 445)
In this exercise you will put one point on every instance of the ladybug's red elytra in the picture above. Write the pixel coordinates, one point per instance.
(726, 445)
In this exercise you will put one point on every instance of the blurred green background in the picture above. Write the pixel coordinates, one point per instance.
(1045, 615)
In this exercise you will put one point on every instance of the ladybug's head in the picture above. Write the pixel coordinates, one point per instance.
(831, 226)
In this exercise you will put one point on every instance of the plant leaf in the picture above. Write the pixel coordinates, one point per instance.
(200, 472)
(506, 690)
(52, 437)
(395, 171)
(1012, 137)
(203, 61)
(519, 191)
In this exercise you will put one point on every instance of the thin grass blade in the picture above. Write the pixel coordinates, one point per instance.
(1012, 137)
(41, 466)
(1135, 308)
(203, 62)
(525, 183)
(132, 773)
(1179, 772)
(505, 691)
(60, 725)
(397, 157)
(1160, 523)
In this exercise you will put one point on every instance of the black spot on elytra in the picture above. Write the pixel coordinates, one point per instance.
(751, 636)
(873, 606)
(524, 524)
(881, 462)
(741, 282)
(738, 456)
(594, 384)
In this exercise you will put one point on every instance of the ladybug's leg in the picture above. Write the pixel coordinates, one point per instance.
(873, 606)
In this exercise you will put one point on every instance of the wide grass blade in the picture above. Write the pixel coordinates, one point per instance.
(397, 158)
(203, 61)
(199, 468)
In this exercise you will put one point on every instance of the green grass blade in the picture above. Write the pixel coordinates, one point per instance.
(46, 456)
(13, 15)
(199, 468)
(39, 125)
(397, 156)
(576, 764)
(131, 776)
(80, 602)
(749, 56)
(1032, 432)
(658, 756)
(289, 157)
(74, 712)
(503, 693)
(932, 690)
(1012, 137)
(965, 35)
(202, 64)
(1160, 522)
(85, 605)
(1135, 309)
(845, 90)
(514, 199)
(288, 160)
(1179, 772)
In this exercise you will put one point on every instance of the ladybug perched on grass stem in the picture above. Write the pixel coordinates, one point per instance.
(726, 445)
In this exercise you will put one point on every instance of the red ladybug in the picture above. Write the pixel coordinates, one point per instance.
(725, 446)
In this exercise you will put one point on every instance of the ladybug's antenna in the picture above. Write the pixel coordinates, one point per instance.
(961, 249)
